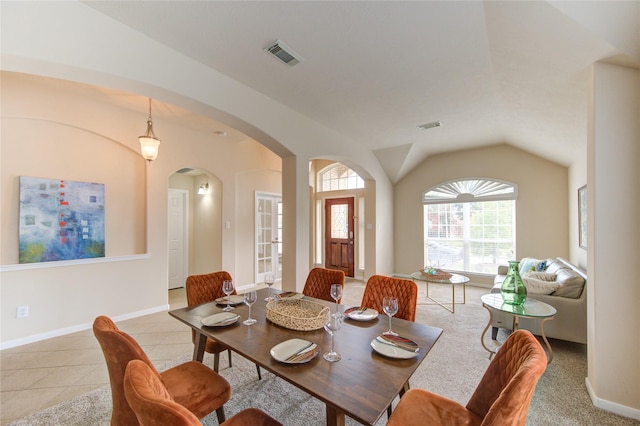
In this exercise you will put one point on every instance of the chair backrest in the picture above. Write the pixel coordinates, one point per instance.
(504, 394)
(406, 291)
(150, 400)
(119, 349)
(206, 287)
(319, 282)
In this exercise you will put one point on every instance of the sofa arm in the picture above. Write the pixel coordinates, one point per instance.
(502, 270)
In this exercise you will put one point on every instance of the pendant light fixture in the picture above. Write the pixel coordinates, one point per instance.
(149, 143)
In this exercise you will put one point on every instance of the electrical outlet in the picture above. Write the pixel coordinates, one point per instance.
(22, 312)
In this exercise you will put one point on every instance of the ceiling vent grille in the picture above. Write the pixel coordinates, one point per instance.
(284, 53)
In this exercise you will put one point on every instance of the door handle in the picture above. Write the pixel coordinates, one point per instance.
(351, 234)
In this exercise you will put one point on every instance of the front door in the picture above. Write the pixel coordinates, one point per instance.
(339, 227)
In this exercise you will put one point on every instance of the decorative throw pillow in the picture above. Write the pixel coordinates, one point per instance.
(528, 264)
(542, 276)
(541, 266)
(571, 284)
(536, 286)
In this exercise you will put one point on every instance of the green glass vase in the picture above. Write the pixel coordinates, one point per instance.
(513, 290)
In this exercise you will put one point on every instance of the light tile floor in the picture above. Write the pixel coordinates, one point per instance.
(42, 374)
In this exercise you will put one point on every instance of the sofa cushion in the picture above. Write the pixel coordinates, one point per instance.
(542, 276)
(536, 286)
(571, 284)
(553, 266)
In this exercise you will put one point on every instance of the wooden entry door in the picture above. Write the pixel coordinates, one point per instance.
(338, 240)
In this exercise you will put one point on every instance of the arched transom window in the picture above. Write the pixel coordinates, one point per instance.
(338, 177)
(469, 224)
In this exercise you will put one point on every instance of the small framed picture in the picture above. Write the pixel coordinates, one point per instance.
(582, 216)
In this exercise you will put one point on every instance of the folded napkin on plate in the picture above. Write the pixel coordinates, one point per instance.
(220, 318)
(359, 311)
(400, 342)
(304, 355)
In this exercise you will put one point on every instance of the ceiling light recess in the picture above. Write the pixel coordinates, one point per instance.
(430, 125)
(284, 53)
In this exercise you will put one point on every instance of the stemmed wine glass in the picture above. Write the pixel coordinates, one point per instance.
(268, 281)
(249, 299)
(336, 294)
(227, 288)
(390, 307)
(333, 324)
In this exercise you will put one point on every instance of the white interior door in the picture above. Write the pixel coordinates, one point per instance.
(178, 237)
(268, 236)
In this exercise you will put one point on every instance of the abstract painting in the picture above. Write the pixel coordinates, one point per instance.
(60, 220)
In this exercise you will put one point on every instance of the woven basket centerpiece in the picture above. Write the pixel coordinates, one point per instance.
(435, 274)
(298, 314)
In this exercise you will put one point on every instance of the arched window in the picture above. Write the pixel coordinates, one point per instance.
(469, 225)
(337, 177)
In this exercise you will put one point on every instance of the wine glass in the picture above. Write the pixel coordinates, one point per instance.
(249, 299)
(268, 281)
(336, 293)
(227, 288)
(333, 324)
(390, 307)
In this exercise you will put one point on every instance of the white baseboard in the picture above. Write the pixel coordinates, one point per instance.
(73, 329)
(622, 410)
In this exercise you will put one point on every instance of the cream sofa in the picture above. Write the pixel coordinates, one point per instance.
(567, 293)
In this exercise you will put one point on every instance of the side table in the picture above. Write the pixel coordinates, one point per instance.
(456, 279)
(530, 309)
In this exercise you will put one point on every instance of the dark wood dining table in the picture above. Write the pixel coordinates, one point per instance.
(361, 385)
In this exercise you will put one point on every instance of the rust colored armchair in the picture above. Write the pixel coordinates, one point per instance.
(203, 289)
(502, 397)
(319, 282)
(406, 291)
(191, 384)
(153, 404)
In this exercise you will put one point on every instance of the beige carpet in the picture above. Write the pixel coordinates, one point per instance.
(452, 369)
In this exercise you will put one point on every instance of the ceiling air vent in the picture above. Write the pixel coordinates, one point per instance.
(284, 53)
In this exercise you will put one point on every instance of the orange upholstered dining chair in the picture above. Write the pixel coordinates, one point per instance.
(502, 397)
(406, 291)
(319, 282)
(153, 404)
(378, 287)
(192, 384)
(203, 289)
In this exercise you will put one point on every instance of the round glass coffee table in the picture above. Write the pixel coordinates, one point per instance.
(456, 279)
(530, 309)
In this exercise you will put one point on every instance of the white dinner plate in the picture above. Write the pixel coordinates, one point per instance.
(221, 319)
(391, 351)
(290, 295)
(359, 313)
(286, 351)
(234, 299)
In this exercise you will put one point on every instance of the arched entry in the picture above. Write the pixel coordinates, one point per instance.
(195, 224)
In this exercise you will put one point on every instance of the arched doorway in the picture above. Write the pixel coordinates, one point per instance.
(195, 224)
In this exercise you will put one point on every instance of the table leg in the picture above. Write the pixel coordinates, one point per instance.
(335, 417)
(198, 346)
(492, 352)
(544, 337)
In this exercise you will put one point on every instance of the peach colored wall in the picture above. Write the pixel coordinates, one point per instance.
(542, 227)
(57, 129)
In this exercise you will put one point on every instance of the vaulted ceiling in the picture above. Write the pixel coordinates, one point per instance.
(490, 72)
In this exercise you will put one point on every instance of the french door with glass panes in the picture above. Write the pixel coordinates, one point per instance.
(268, 236)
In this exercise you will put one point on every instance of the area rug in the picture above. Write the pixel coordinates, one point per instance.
(452, 369)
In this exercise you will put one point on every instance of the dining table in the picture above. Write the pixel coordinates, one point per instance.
(361, 385)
